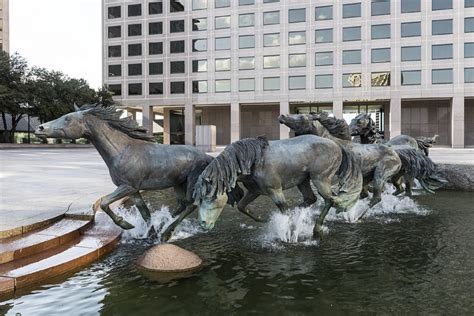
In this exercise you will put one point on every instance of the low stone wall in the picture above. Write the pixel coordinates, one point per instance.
(460, 177)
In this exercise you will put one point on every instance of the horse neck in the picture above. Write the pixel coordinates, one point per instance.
(323, 132)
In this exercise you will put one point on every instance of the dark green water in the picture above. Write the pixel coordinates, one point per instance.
(417, 260)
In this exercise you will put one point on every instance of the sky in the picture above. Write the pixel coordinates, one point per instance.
(63, 35)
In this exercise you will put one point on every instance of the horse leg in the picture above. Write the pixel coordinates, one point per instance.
(170, 229)
(324, 189)
(397, 182)
(378, 183)
(408, 186)
(180, 193)
(308, 195)
(105, 201)
(279, 199)
(246, 200)
(142, 207)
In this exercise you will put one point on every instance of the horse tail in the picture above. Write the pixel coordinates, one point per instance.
(424, 143)
(350, 180)
(420, 167)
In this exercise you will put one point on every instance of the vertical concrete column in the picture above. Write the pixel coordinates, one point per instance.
(337, 108)
(457, 123)
(395, 117)
(147, 120)
(189, 124)
(284, 130)
(166, 126)
(234, 121)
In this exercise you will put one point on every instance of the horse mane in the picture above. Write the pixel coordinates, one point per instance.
(239, 158)
(336, 127)
(112, 116)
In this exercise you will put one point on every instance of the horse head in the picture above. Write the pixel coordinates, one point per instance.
(71, 126)
(300, 123)
(210, 208)
(362, 124)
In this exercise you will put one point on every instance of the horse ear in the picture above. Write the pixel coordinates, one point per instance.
(76, 108)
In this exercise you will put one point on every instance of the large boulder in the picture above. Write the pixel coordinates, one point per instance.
(460, 177)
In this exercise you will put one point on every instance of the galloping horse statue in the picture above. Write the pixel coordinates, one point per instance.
(135, 162)
(269, 167)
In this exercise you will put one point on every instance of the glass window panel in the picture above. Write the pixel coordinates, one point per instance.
(223, 64)
(199, 45)
(177, 67)
(155, 28)
(469, 25)
(411, 77)
(200, 86)
(247, 84)
(380, 79)
(440, 27)
(271, 83)
(271, 17)
(352, 80)
(156, 88)
(351, 10)
(116, 89)
(134, 29)
(222, 22)
(222, 3)
(469, 3)
(323, 36)
(155, 8)
(380, 31)
(350, 34)
(155, 68)
(134, 69)
(271, 61)
(411, 29)
(380, 7)
(380, 55)
(246, 2)
(296, 15)
(134, 49)
(323, 13)
(351, 57)
(247, 41)
(177, 26)
(177, 5)
(444, 51)
(297, 82)
(297, 60)
(271, 39)
(411, 53)
(115, 31)
(441, 4)
(246, 63)
(114, 12)
(296, 38)
(115, 70)
(246, 20)
(468, 50)
(199, 4)
(115, 51)
(270, 1)
(222, 43)
(324, 58)
(441, 76)
(134, 89)
(155, 48)
(223, 85)
(468, 75)
(134, 10)
(200, 65)
(411, 6)
(176, 47)
(177, 87)
(200, 24)
(323, 81)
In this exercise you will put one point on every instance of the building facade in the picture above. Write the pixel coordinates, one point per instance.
(238, 64)
(4, 26)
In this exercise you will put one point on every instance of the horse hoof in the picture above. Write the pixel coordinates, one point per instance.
(166, 236)
(124, 224)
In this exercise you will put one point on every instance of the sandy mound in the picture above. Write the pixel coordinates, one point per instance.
(169, 258)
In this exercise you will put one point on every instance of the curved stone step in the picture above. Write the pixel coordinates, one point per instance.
(28, 224)
(39, 268)
(40, 240)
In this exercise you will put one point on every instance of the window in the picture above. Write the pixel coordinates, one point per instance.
(155, 68)
(271, 17)
(380, 7)
(323, 36)
(247, 84)
(411, 78)
(352, 80)
(199, 45)
(246, 41)
(468, 25)
(380, 79)
(155, 48)
(222, 3)
(222, 43)
(246, 20)
(223, 85)
(177, 6)
(296, 82)
(177, 26)
(134, 89)
(297, 60)
(223, 64)
(297, 38)
(324, 59)
(134, 49)
(271, 83)
(177, 67)
(271, 61)
(115, 70)
(351, 57)
(199, 4)
(352, 10)
(134, 29)
(350, 34)
(411, 29)
(114, 12)
(441, 76)
(177, 87)
(246, 63)
(380, 31)
(134, 10)
(155, 28)
(155, 88)
(271, 39)
(115, 51)
(176, 47)
(440, 27)
(116, 89)
(411, 53)
(115, 31)
(200, 24)
(200, 65)
(246, 2)
(155, 8)
(441, 4)
(469, 3)
(380, 55)
(296, 15)
(270, 1)
(323, 81)
(409, 6)
(468, 50)
(468, 75)
(444, 51)
(134, 69)
(323, 13)
(222, 22)
(200, 86)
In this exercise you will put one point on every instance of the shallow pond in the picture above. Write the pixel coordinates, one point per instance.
(407, 256)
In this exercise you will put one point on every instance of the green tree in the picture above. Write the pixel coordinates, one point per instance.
(104, 96)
